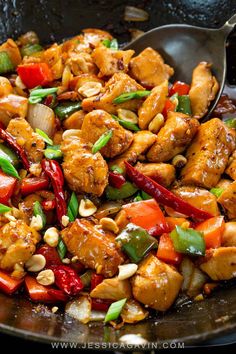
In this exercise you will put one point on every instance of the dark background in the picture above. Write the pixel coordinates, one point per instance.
(55, 20)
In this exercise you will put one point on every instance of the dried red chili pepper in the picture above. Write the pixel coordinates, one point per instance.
(33, 184)
(100, 305)
(163, 195)
(54, 173)
(116, 180)
(67, 280)
(95, 280)
(51, 255)
(8, 139)
(158, 230)
(48, 204)
(57, 295)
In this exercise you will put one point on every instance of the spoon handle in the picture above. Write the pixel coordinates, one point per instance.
(229, 25)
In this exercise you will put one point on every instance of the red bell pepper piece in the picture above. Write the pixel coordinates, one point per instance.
(163, 195)
(95, 280)
(8, 284)
(100, 305)
(54, 173)
(169, 106)
(51, 255)
(148, 215)
(35, 74)
(116, 180)
(212, 230)
(40, 293)
(179, 87)
(48, 205)
(7, 186)
(166, 251)
(67, 280)
(10, 140)
(33, 184)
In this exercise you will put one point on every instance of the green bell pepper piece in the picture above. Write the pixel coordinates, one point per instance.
(9, 155)
(188, 241)
(64, 110)
(126, 191)
(184, 105)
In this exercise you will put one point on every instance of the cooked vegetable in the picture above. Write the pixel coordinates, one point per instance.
(40, 293)
(116, 180)
(41, 117)
(166, 251)
(61, 249)
(8, 168)
(39, 211)
(53, 152)
(35, 74)
(73, 207)
(44, 136)
(29, 49)
(4, 208)
(179, 87)
(8, 284)
(86, 278)
(188, 241)
(80, 309)
(8, 154)
(7, 186)
(217, 191)
(65, 109)
(6, 64)
(126, 124)
(130, 96)
(114, 310)
(102, 141)
(212, 230)
(37, 94)
(231, 122)
(184, 105)
(125, 191)
(32, 184)
(136, 242)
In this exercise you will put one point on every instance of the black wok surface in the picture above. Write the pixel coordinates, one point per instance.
(55, 20)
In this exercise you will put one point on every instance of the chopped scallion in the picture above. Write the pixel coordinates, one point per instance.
(114, 310)
(8, 168)
(73, 207)
(44, 136)
(102, 141)
(127, 96)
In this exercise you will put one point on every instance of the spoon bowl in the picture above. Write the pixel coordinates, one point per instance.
(184, 47)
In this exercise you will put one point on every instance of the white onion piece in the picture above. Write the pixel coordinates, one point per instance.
(198, 279)
(135, 14)
(133, 312)
(80, 309)
(41, 117)
(135, 33)
(187, 269)
(97, 315)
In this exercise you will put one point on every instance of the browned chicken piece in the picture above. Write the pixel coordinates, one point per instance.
(97, 123)
(12, 106)
(74, 121)
(203, 90)
(228, 200)
(198, 197)
(95, 36)
(81, 62)
(118, 84)
(111, 61)
(53, 57)
(84, 172)
(27, 138)
(17, 244)
(81, 79)
(94, 248)
(12, 50)
(156, 284)
(163, 173)
(153, 105)
(141, 143)
(149, 68)
(229, 234)
(224, 183)
(173, 138)
(112, 289)
(220, 263)
(231, 169)
(208, 154)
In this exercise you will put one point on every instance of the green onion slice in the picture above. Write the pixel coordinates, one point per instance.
(37, 94)
(44, 136)
(217, 191)
(53, 152)
(116, 168)
(130, 96)
(37, 209)
(4, 208)
(114, 310)
(73, 207)
(126, 124)
(61, 249)
(8, 168)
(114, 44)
(29, 49)
(231, 122)
(6, 64)
(102, 141)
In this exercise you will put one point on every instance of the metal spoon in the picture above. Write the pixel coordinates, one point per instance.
(184, 46)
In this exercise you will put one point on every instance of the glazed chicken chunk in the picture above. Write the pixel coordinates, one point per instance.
(228, 200)
(156, 284)
(112, 289)
(94, 248)
(163, 173)
(17, 244)
(141, 143)
(208, 154)
(153, 105)
(111, 61)
(203, 90)
(84, 172)
(118, 84)
(231, 169)
(173, 138)
(97, 123)
(149, 68)
(220, 263)
(27, 138)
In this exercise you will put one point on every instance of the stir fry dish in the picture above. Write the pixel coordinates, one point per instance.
(115, 199)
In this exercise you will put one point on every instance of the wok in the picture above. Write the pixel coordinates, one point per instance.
(55, 20)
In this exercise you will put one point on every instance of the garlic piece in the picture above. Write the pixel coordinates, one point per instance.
(87, 208)
(127, 270)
